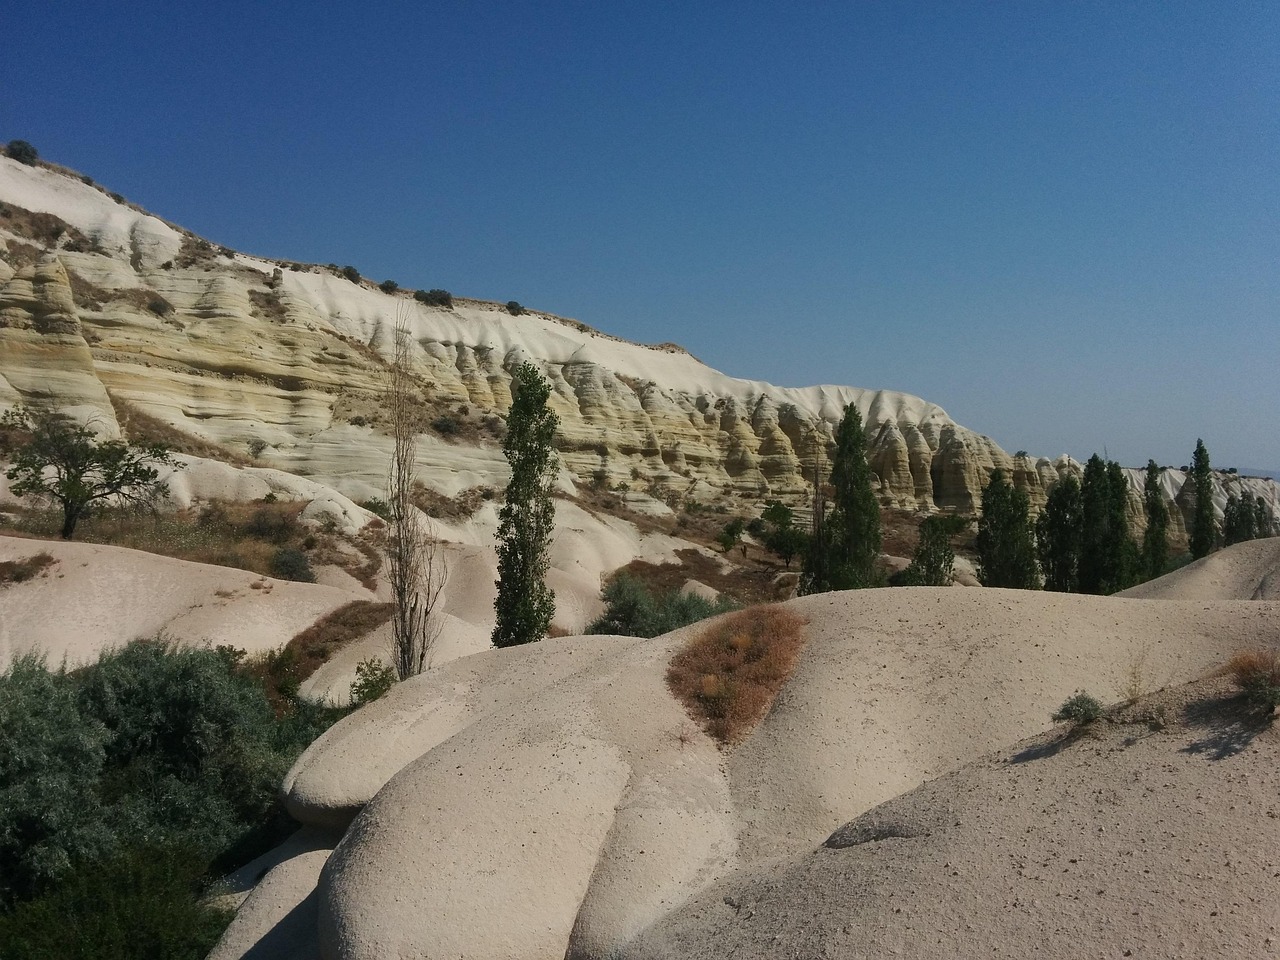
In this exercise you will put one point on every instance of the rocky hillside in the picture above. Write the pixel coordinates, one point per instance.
(123, 317)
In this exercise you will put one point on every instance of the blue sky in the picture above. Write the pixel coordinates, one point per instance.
(1061, 222)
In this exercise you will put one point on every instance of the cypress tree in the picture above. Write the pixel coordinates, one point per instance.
(1094, 515)
(1155, 542)
(525, 604)
(1058, 537)
(1202, 532)
(855, 514)
(1006, 543)
(1121, 552)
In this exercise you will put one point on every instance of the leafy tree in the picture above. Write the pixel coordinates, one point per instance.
(65, 463)
(1155, 542)
(731, 535)
(780, 535)
(933, 563)
(1006, 545)
(1202, 532)
(22, 151)
(525, 604)
(850, 539)
(1058, 537)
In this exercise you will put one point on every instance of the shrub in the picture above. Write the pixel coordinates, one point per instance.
(19, 571)
(160, 306)
(727, 676)
(22, 151)
(632, 611)
(434, 298)
(378, 507)
(514, 308)
(373, 679)
(351, 273)
(1257, 674)
(1079, 709)
(256, 446)
(290, 563)
(388, 286)
(141, 901)
(277, 524)
(446, 426)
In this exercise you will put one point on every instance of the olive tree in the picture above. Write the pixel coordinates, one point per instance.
(66, 463)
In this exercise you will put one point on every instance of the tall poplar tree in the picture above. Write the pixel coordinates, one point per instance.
(1058, 537)
(1006, 543)
(855, 514)
(1155, 542)
(1202, 532)
(525, 604)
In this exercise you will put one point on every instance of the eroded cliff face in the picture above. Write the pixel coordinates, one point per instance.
(113, 313)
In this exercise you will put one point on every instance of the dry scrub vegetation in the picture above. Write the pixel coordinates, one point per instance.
(728, 676)
(19, 571)
(1257, 674)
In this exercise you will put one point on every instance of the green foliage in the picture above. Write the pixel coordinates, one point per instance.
(47, 754)
(1080, 708)
(1006, 545)
(290, 563)
(1058, 530)
(525, 604)
(1245, 518)
(140, 902)
(1155, 541)
(65, 463)
(154, 759)
(434, 298)
(351, 273)
(388, 286)
(373, 679)
(1108, 556)
(378, 507)
(933, 563)
(1202, 530)
(22, 151)
(631, 610)
(846, 543)
(514, 308)
(731, 535)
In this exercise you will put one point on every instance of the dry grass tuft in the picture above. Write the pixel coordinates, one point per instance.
(1257, 673)
(19, 571)
(728, 676)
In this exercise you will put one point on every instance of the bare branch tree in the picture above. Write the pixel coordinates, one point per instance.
(415, 565)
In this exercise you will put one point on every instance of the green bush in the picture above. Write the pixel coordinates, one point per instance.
(434, 298)
(1079, 709)
(631, 610)
(373, 679)
(378, 507)
(351, 273)
(290, 563)
(388, 286)
(22, 151)
(514, 308)
(141, 902)
(48, 752)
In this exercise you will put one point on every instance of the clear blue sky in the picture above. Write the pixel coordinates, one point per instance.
(1060, 221)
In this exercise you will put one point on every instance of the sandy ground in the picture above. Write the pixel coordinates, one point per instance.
(97, 597)
(583, 799)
